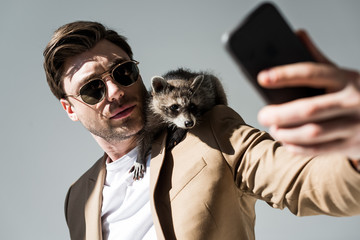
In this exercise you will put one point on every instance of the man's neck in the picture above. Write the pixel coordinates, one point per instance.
(116, 150)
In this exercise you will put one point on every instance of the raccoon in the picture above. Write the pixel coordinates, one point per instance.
(176, 102)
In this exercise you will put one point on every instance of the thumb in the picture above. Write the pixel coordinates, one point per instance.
(314, 50)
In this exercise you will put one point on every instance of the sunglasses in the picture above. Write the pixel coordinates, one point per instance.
(94, 91)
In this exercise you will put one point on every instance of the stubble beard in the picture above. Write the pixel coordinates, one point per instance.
(117, 134)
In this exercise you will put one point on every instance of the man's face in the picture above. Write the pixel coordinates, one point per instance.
(119, 115)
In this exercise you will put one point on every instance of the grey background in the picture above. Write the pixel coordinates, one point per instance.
(43, 152)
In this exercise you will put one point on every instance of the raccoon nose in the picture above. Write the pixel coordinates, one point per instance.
(189, 123)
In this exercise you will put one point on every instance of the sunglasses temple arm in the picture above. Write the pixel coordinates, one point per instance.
(89, 107)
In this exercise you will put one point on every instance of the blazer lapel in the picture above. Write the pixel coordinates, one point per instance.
(157, 159)
(94, 204)
(95, 187)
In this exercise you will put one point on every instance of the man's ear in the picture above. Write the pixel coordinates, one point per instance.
(69, 109)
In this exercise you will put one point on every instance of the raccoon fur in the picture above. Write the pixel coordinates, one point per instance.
(177, 101)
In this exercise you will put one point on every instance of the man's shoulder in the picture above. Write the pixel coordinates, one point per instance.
(79, 190)
(77, 197)
(222, 111)
(219, 123)
(222, 115)
(92, 173)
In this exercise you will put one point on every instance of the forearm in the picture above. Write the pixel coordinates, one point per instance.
(325, 184)
(265, 170)
(322, 185)
(334, 195)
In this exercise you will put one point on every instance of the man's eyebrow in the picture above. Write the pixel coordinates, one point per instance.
(115, 62)
(109, 67)
(89, 77)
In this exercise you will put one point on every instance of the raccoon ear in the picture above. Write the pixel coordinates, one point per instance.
(158, 84)
(196, 83)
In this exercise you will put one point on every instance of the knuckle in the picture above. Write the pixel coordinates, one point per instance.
(352, 96)
(308, 69)
(355, 97)
(311, 110)
(314, 131)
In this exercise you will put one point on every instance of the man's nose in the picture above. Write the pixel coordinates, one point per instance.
(114, 91)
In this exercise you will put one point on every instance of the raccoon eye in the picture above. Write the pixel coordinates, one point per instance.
(174, 107)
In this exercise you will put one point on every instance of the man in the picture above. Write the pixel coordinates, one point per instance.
(205, 187)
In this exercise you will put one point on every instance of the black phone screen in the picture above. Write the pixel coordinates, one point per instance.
(264, 40)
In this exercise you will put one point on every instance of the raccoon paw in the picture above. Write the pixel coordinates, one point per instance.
(139, 170)
(175, 137)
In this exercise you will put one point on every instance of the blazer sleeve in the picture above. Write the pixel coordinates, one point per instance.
(262, 168)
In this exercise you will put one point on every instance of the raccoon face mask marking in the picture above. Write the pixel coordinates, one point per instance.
(173, 102)
(184, 96)
(180, 113)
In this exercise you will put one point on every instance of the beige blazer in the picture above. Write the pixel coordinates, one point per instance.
(207, 186)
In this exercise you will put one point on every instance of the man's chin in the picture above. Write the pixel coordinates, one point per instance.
(125, 133)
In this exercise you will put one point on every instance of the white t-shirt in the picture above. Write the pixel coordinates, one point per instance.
(125, 212)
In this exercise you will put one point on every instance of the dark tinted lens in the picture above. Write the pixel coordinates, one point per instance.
(93, 92)
(126, 74)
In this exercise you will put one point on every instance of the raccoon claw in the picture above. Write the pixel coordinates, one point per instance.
(171, 145)
(139, 170)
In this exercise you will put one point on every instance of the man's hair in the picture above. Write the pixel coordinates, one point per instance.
(70, 40)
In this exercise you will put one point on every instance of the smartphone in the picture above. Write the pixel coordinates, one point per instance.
(262, 40)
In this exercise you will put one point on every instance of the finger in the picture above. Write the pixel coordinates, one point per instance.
(309, 74)
(314, 50)
(308, 110)
(318, 133)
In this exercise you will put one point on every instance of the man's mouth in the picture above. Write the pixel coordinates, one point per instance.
(123, 112)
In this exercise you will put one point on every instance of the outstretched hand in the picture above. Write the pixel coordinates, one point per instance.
(321, 124)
